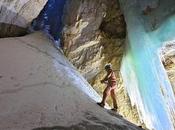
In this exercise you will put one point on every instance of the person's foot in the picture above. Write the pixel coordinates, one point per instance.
(114, 109)
(101, 104)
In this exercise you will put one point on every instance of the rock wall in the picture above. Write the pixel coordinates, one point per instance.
(93, 35)
(41, 90)
(89, 27)
(168, 59)
(16, 16)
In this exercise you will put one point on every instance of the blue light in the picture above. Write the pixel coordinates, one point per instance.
(50, 19)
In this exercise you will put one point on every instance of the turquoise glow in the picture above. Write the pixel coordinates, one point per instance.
(144, 76)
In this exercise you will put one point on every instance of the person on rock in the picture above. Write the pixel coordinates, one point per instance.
(111, 84)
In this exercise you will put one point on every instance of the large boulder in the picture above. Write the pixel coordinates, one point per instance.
(16, 15)
(41, 90)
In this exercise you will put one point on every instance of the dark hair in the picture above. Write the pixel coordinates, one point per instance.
(108, 66)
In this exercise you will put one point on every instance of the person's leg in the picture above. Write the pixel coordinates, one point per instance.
(113, 95)
(106, 93)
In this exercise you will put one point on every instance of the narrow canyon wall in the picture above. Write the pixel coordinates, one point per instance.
(94, 34)
(17, 15)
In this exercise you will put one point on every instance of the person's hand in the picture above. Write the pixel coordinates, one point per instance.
(102, 81)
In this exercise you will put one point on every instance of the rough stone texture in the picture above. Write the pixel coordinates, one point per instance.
(41, 90)
(16, 15)
(86, 31)
(170, 68)
(168, 59)
(93, 35)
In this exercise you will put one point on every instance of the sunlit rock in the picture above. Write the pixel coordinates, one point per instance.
(167, 54)
(93, 37)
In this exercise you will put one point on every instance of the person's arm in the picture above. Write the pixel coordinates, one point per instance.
(106, 77)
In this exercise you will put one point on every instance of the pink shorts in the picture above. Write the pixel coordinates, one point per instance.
(112, 85)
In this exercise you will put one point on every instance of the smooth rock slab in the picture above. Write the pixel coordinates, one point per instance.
(41, 90)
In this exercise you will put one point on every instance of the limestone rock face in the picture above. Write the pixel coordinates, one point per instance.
(93, 35)
(41, 90)
(88, 25)
(168, 59)
(16, 15)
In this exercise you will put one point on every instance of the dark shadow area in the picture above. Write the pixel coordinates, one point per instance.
(156, 12)
(113, 24)
(89, 126)
(9, 29)
(97, 124)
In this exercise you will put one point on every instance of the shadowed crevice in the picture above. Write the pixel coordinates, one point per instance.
(14, 26)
